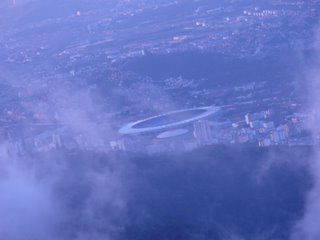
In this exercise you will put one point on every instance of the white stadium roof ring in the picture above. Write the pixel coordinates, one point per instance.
(170, 120)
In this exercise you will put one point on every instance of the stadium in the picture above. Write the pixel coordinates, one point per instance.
(170, 121)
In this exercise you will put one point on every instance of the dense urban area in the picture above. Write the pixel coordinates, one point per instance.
(108, 55)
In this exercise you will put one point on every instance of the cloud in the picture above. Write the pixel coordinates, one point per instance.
(27, 209)
(308, 228)
(61, 195)
(72, 195)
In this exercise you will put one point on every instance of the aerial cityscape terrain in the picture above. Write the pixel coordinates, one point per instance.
(140, 59)
(159, 119)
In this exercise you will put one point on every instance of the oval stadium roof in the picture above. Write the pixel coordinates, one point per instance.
(167, 121)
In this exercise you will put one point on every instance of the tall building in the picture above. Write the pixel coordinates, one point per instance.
(56, 141)
(202, 132)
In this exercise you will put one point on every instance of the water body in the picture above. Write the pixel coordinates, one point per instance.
(212, 193)
(218, 193)
(218, 69)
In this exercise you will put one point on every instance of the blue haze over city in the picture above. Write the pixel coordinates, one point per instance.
(159, 120)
